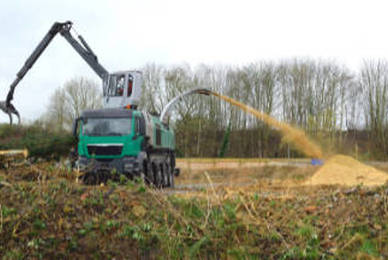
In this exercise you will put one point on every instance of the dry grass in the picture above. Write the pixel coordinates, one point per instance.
(262, 213)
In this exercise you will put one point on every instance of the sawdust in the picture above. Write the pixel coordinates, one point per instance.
(290, 134)
(344, 170)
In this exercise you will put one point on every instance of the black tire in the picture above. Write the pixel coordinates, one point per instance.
(167, 174)
(169, 181)
(168, 170)
(172, 161)
(164, 175)
(171, 178)
(170, 166)
(87, 179)
(158, 178)
(148, 173)
(94, 178)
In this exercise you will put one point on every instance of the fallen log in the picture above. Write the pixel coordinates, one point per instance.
(8, 157)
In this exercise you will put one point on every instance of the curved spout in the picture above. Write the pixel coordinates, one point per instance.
(170, 104)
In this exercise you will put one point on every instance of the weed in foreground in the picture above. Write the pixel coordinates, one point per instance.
(62, 219)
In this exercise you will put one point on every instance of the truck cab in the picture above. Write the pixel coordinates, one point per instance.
(125, 141)
(122, 89)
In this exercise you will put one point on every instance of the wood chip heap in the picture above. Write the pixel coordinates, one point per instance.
(344, 170)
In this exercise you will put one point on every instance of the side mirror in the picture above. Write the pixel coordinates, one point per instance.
(75, 126)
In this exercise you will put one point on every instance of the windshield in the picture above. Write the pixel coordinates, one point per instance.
(106, 126)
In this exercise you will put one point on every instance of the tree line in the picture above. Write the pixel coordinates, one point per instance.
(343, 110)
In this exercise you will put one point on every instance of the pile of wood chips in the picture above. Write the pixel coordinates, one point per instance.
(344, 170)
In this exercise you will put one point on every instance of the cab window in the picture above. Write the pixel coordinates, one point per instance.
(118, 89)
(116, 85)
(129, 85)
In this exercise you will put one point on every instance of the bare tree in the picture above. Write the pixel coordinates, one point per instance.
(374, 80)
(321, 97)
(67, 103)
(153, 96)
(56, 112)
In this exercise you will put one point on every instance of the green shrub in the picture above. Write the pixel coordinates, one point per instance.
(39, 142)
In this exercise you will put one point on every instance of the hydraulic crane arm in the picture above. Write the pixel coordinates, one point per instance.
(80, 46)
(84, 50)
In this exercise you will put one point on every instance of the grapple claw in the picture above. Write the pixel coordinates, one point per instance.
(9, 109)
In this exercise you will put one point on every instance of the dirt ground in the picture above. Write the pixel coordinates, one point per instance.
(235, 171)
(269, 177)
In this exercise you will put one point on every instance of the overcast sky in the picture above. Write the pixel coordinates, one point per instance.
(128, 34)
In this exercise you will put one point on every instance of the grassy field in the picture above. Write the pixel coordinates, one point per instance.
(248, 211)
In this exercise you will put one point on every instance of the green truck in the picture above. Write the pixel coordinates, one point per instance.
(119, 139)
(114, 142)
